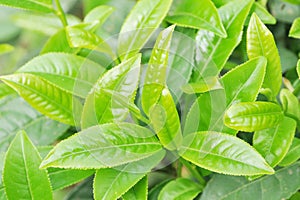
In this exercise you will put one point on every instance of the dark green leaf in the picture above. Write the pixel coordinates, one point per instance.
(138, 192)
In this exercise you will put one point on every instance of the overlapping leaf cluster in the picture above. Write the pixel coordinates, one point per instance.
(122, 110)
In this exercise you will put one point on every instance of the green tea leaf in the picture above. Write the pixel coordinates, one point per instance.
(138, 192)
(262, 13)
(21, 171)
(274, 143)
(241, 84)
(5, 48)
(180, 188)
(156, 73)
(5, 91)
(112, 183)
(165, 121)
(103, 146)
(2, 193)
(139, 25)
(280, 185)
(293, 154)
(193, 14)
(212, 51)
(72, 73)
(298, 68)
(253, 116)
(2, 156)
(290, 104)
(112, 94)
(295, 29)
(45, 97)
(260, 42)
(203, 85)
(223, 153)
(35, 5)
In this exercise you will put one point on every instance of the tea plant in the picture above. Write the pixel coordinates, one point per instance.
(181, 99)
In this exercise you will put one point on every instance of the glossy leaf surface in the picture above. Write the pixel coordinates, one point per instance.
(274, 143)
(111, 96)
(280, 185)
(156, 73)
(111, 183)
(165, 121)
(223, 153)
(213, 51)
(293, 154)
(44, 96)
(21, 171)
(103, 146)
(138, 192)
(260, 42)
(180, 188)
(253, 116)
(295, 29)
(35, 5)
(199, 15)
(142, 21)
(72, 73)
(208, 110)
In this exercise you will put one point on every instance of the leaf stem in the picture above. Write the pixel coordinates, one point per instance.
(193, 171)
(60, 13)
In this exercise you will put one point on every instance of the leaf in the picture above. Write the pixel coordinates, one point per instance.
(41, 130)
(223, 153)
(253, 116)
(203, 85)
(47, 24)
(112, 183)
(293, 154)
(97, 16)
(72, 73)
(298, 68)
(274, 143)
(194, 14)
(181, 188)
(35, 5)
(139, 25)
(138, 192)
(241, 84)
(262, 13)
(21, 171)
(103, 146)
(83, 190)
(290, 104)
(212, 51)
(295, 29)
(5, 48)
(45, 97)
(2, 193)
(165, 121)
(154, 192)
(112, 94)
(156, 73)
(280, 185)
(2, 156)
(260, 42)
(5, 91)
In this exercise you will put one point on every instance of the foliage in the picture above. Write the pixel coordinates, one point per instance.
(178, 100)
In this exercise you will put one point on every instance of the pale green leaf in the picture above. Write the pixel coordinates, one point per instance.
(260, 42)
(274, 143)
(21, 171)
(293, 154)
(203, 85)
(253, 116)
(138, 192)
(139, 25)
(5, 90)
(241, 84)
(2, 193)
(6, 48)
(223, 153)
(278, 186)
(212, 51)
(298, 68)
(165, 121)
(112, 183)
(45, 97)
(2, 156)
(72, 73)
(103, 146)
(180, 188)
(262, 13)
(290, 104)
(35, 5)
(295, 29)
(112, 94)
(197, 14)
